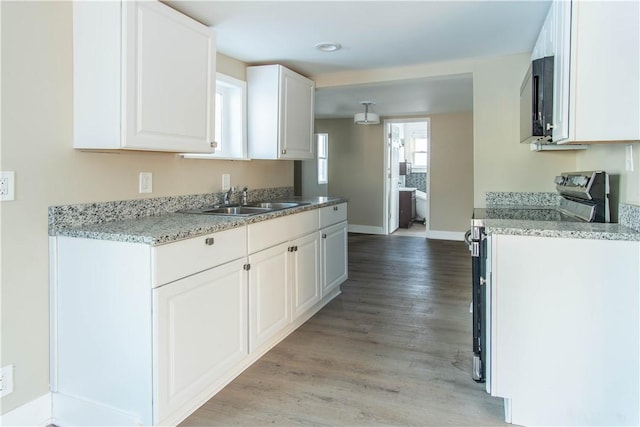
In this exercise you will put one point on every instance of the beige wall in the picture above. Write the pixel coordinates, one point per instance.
(356, 170)
(625, 185)
(451, 174)
(496, 151)
(356, 160)
(36, 144)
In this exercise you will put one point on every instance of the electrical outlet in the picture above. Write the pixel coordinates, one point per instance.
(628, 163)
(226, 182)
(145, 182)
(7, 186)
(6, 380)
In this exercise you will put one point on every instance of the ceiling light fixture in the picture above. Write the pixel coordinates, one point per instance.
(366, 118)
(328, 46)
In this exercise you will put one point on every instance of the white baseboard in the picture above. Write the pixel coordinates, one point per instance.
(365, 229)
(34, 413)
(72, 411)
(445, 235)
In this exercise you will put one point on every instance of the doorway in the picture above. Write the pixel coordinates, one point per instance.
(407, 183)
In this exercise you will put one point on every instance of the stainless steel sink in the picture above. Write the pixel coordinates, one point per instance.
(228, 210)
(250, 209)
(237, 210)
(276, 205)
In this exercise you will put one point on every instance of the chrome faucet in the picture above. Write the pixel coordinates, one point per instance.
(228, 194)
(244, 196)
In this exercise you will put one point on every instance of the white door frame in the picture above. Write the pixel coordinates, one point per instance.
(387, 167)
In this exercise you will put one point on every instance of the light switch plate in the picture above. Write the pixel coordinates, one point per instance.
(145, 182)
(7, 186)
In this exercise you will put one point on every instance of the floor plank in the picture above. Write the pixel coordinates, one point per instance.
(392, 349)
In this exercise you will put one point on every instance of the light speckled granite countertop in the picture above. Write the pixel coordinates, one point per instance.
(535, 214)
(561, 229)
(171, 227)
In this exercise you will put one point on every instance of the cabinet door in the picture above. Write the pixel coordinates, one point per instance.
(560, 17)
(200, 332)
(305, 273)
(269, 294)
(334, 256)
(554, 326)
(296, 123)
(170, 80)
(404, 219)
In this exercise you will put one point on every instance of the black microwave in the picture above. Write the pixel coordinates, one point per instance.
(536, 102)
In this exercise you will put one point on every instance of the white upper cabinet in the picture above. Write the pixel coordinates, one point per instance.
(144, 78)
(596, 46)
(280, 113)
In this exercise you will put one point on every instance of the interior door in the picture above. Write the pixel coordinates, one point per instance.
(393, 170)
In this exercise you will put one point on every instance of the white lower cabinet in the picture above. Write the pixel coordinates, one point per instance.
(269, 294)
(144, 335)
(565, 330)
(284, 283)
(305, 273)
(333, 234)
(192, 350)
(334, 256)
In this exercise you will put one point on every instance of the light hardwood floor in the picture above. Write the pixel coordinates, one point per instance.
(392, 349)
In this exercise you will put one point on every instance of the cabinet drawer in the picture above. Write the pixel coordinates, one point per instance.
(180, 259)
(265, 234)
(333, 214)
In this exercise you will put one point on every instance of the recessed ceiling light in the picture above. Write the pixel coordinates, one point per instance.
(328, 46)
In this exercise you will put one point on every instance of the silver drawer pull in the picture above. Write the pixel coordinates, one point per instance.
(208, 241)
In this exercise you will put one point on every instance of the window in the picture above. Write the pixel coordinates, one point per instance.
(420, 146)
(229, 120)
(322, 146)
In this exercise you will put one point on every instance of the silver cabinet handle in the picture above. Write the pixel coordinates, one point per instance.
(208, 241)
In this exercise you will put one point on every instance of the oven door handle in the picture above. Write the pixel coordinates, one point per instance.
(467, 238)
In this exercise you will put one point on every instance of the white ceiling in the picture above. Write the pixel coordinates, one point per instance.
(373, 34)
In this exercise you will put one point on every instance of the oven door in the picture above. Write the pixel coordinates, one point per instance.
(478, 248)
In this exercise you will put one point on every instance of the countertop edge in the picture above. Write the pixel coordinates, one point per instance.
(140, 230)
(594, 231)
